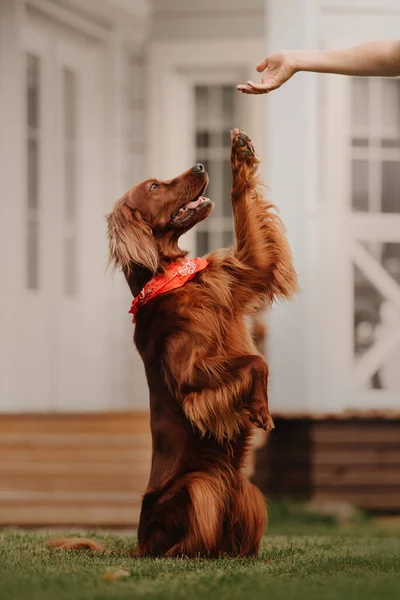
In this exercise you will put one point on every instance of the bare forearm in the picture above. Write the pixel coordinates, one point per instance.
(380, 58)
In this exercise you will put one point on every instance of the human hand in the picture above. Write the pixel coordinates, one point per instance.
(278, 67)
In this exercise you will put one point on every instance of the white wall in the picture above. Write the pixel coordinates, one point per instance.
(292, 179)
(120, 31)
(207, 19)
(311, 352)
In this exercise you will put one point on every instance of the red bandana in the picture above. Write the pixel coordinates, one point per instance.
(176, 275)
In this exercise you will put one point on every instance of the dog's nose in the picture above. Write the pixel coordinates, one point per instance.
(199, 168)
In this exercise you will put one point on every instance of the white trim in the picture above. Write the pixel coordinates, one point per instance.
(363, 6)
(357, 28)
(70, 18)
(97, 18)
(375, 357)
(376, 227)
(376, 274)
(374, 400)
(293, 115)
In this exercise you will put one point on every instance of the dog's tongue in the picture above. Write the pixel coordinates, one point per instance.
(196, 203)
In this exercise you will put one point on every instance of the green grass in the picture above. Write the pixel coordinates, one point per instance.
(303, 556)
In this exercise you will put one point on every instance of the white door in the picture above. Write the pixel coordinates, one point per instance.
(57, 314)
(360, 270)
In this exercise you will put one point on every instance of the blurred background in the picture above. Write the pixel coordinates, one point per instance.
(96, 95)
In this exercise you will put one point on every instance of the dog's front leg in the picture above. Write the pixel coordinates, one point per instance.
(261, 245)
(216, 394)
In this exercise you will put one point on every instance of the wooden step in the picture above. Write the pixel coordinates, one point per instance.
(73, 470)
(85, 423)
(132, 481)
(371, 498)
(69, 516)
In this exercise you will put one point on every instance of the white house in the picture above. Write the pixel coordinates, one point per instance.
(96, 95)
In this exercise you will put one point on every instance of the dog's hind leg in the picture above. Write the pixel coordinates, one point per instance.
(187, 519)
(245, 521)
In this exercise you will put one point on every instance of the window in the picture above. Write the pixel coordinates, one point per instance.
(375, 145)
(33, 162)
(215, 117)
(375, 151)
(70, 192)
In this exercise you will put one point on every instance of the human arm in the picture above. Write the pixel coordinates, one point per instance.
(379, 58)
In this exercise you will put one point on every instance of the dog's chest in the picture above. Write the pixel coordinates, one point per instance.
(190, 311)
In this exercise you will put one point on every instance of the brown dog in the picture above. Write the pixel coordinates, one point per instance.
(207, 382)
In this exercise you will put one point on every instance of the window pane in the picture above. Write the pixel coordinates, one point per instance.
(69, 99)
(70, 266)
(227, 238)
(215, 117)
(32, 170)
(360, 142)
(376, 317)
(391, 104)
(70, 174)
(390, 186)
(32, 255)
(386, 143)
(202, 242)
(33, 91)
(228, 100)
(227, 186)
(70, 187)
(391, 260)
(360, 185)
(360, 101)
(202, 139)
(201, 94)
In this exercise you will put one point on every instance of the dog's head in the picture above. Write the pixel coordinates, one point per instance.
(146, 223)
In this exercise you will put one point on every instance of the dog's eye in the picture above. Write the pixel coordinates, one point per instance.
(154, 186)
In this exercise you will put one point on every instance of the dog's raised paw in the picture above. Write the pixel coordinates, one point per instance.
(242, 151)
(261, 418)
(242, 145)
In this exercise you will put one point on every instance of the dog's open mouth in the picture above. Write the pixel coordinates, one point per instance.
(191, 210)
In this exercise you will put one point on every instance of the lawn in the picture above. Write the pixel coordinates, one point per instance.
(303, 556)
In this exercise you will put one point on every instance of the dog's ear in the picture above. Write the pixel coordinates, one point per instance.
(130, 241)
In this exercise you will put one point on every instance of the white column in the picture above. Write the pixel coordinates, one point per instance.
(129, 385)
(12, 191)
(292, 143)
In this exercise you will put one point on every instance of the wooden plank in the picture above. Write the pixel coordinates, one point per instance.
(142, 463)
(81, 439)
(69, 515)
(90, 455)
(339, 456)
(136, 481)
(353, 477)
(357, 457)
(78, 497)
(121, 422)
(385, 500)
(352, 434)
(73, 470)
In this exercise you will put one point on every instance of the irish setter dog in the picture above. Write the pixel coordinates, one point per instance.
(207, 382)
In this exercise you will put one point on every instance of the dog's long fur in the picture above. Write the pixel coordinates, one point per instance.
(208, 384)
